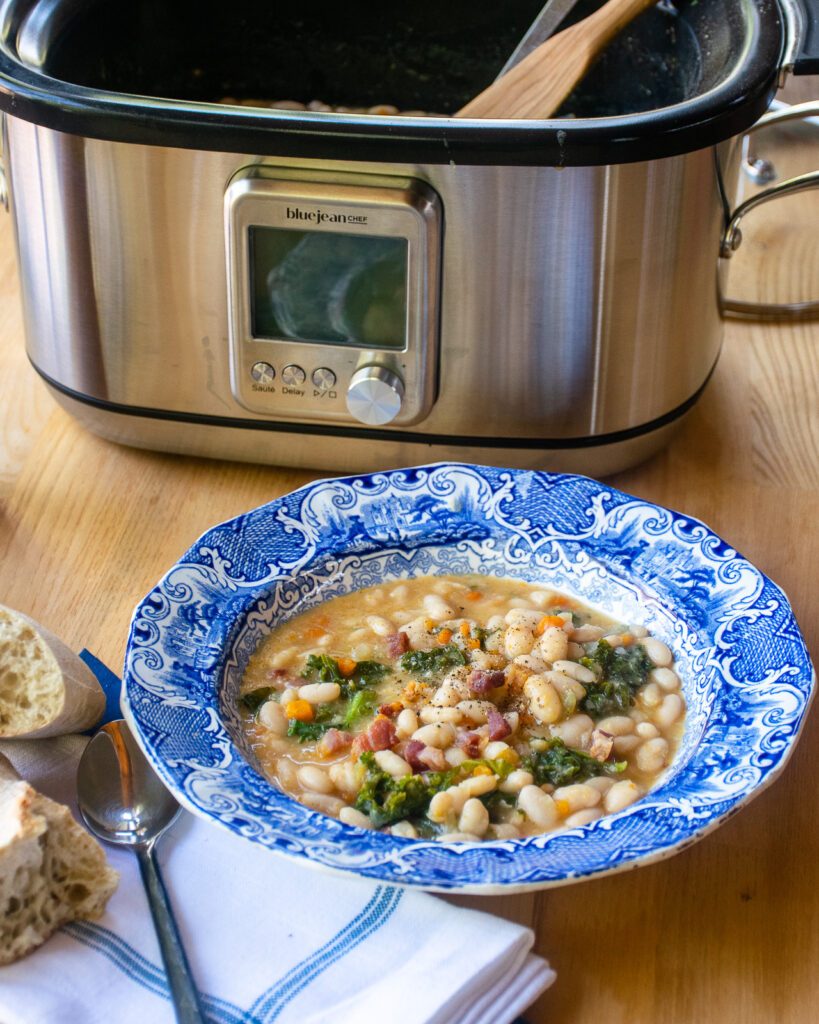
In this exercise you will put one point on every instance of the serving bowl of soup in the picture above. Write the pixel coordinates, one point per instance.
(466, 678)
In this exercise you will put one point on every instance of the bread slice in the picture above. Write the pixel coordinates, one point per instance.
(45, 689)
(51, 869)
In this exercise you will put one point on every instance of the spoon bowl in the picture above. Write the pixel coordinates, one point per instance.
(123, 802)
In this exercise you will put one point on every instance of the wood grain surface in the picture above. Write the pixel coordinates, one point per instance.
(726, 932)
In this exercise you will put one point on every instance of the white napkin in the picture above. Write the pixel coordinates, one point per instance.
(267, 939)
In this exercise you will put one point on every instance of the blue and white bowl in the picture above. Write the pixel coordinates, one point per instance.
(746, 672)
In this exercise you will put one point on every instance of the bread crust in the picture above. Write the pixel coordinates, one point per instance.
(51, 870)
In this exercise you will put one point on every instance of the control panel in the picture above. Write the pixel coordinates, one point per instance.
(333, 295)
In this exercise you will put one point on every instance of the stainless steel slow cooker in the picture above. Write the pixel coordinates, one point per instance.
(348, 291)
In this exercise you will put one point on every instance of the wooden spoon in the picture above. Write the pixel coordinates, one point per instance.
(541, 81)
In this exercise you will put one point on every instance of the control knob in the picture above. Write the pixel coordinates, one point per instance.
(374, 396)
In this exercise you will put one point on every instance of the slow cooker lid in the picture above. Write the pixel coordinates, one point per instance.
(154, 73)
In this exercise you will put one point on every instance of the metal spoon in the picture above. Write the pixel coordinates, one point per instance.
(123, 801)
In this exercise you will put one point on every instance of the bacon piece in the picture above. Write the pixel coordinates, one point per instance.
(281, 680)
(469, 742)
(482, 681)
(601, 744)
(499, 728)
(360, 744)
(381, 734)
(333, 741)
(391, 710)
(397, 644)
(411, 753)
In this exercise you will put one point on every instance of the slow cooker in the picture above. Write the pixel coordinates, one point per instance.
(340, 290)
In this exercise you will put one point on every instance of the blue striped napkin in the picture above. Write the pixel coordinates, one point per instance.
(268, 940)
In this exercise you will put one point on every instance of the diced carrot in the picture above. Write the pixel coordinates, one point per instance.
(559, 601)
(347, 666)
(444, 636)
(301, 710)
(549, 620)
(473, 595)
(626, 640)
(314, 632)
(464, 629)
(510, 755)
(473, 644)
(562, 807)
(429, 624)
(483, 769)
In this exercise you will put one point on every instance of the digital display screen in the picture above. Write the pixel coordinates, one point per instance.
(328, 288)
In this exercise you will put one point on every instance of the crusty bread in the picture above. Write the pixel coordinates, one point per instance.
(51, 870)
(45, 689)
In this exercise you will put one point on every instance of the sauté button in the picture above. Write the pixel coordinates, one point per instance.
(293, 375)
(323, 378)
(262, 373)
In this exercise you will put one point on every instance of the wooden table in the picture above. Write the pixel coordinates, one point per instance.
(726, 932)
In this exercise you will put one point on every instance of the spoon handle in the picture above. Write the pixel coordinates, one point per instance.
(185, 996)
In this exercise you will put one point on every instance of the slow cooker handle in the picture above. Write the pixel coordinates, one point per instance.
(732, 236)
(803, 15)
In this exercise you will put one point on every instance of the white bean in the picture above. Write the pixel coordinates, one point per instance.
(575, 651)
(616, 725)
(518, 640)
(651, 695)
(516, 780)
(503, 831)
(586, 634)
(638, 631)
(625, 744)
(602, 783)
(455, 756)
(320, 693)
(578, 672)
(314, 778)
(495, 622)
(523, 617)
(659, 652)
(578, 796)
(400, 592)
(477, 711)
(286, 773)
(406, 723)
(553, 645)
(288, 695)
(647, 731)
(620, 796)
(512, 720)
(477, 785)
(666, 678)
(430, 713)
(474, 818)
(531, 661)
(283, 658)
(541, 598)
(544, 701)
(538, 806)
(324, 804)
(350, 816)
(651, 756)
(437, 609)
(380, 626)
(495, 749)
(325, 640)
(583, 817)
(272, 717)
(458, 797)
(361, 652)
(374, 597)
(420, 637)
(669, 711)
(440, 735)
(404, 829)
(574, 731)
(345, 777)
(565, 685)
(392, 763)
(440, 807)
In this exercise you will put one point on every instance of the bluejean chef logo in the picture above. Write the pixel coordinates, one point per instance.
(320, 217)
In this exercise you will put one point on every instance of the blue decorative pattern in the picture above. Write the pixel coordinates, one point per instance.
(746, 672)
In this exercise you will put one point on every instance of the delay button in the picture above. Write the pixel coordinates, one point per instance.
(293, 375)
(323, 378)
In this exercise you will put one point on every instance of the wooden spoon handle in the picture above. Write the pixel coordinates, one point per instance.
(537, 86)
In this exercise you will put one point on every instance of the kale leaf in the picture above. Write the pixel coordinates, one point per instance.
(430, 664)
(560, 765)
(253, 699)
(306, 732)
(622, 672)
(385, 799)
(324, 669)
(361, 705)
